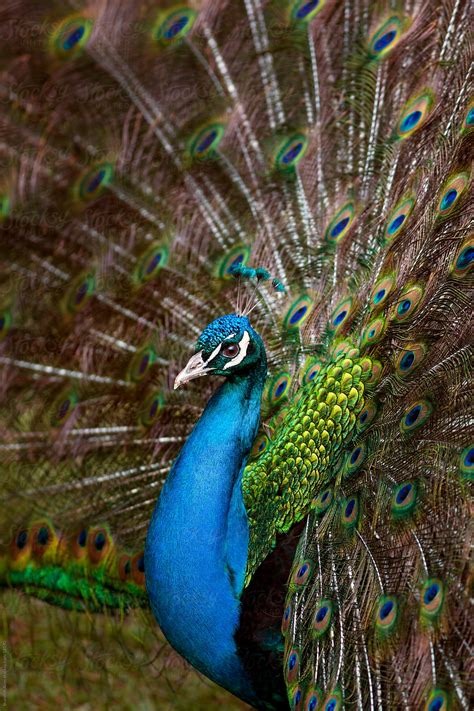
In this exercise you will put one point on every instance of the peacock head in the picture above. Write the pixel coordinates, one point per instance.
(228, 346)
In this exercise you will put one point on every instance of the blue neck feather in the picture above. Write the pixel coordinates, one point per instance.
(196, 548)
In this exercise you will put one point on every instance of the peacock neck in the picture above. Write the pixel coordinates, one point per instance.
(196, 549)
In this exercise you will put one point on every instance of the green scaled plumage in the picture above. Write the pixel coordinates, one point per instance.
(309, 440)
(151, 150)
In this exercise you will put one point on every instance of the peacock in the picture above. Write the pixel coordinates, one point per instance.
(276, 194)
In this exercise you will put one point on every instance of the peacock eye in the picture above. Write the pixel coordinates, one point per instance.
(230, 350)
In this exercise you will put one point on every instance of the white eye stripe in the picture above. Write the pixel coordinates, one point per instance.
(214, 353)
(244, 344)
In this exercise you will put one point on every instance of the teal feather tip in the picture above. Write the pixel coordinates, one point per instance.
(240, 271)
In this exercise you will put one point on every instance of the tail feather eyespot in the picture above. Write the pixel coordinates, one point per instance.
(172, 25)
(386, 614)
(141, 363)
(292, 665)
(138, 569)
(398, 218)
(70, 37)
(78, 543)
(204, 142)
(152, 408)
(124, 567)
(464, 260)
(303, 11)
(468, 122)
(92, 183)
(340, 224)
(416, 415)
(408, 303)
(431, 599)
(373, 332)
(415, 114)
(385, 37)
(355, 458)
(404, 499)
(301, 574)
(296, 698)
(341, 315)
(466, 461)
(381, 292)
(323, 501)
(21, 545)
(6, 322)
(322, 618)
(43, 538)
(290, 152)
(298, 312)
(350, 512)
(150, 263)
(79, 292)
(409, 358)
(333, 701)
(238, 256)
(63, 407)
(366, 416)
(437, 701)
(278, 388)
(99, 545)
(313, 699)
(451, 193)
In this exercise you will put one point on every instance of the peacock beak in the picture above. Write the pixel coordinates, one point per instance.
(194, 369)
